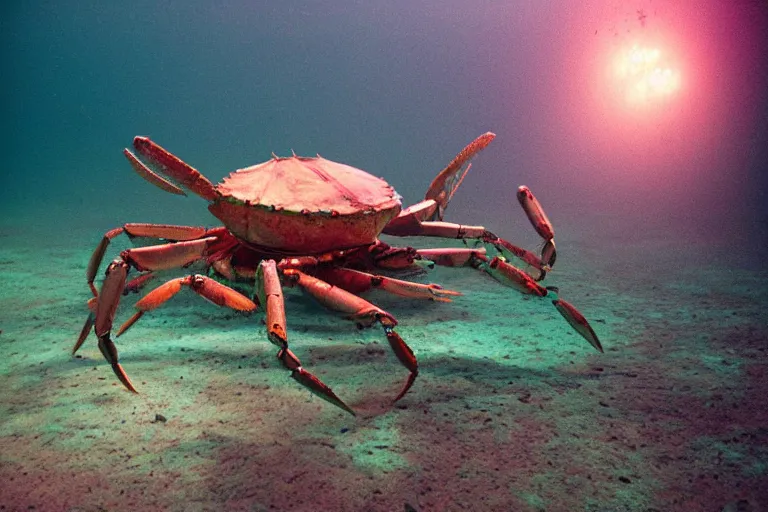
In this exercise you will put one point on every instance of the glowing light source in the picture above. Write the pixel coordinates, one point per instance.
(644, 76)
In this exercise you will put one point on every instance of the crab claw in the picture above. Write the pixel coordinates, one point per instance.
(448, 180)
(171, 166)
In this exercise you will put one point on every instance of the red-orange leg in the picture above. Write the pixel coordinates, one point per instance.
(158, 231)
(414, 221)
(355, 281)
(511, 276)
(167, 256)
(452, 257)
(511, 252)
(88, 325)
(578, 322)
(540, 223)
(362, 312)
(137, 283)
(156, 257)
(209, 289)
(535, 213)
(270, 293)
(109, 298)
(410, 223)
(150, 258)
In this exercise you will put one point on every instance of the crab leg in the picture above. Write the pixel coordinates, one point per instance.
(535, 213)
(576, 320)
(362, 312)
(452, 257)
(540, 222)
(270, 294)
(417, 220)
(166, 231)
(511, 276)
(137, 283)
(163, 257)
(412, 226)
(167, 256)
(108, 300)
(156, 257)
(209, 289)
(355, 281)
(88, 325)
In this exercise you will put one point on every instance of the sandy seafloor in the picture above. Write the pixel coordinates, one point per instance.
(512, 410)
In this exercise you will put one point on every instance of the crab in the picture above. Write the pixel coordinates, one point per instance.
(314, 224)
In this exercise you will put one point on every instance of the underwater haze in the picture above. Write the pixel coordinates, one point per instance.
(396, 88)
(641, 127)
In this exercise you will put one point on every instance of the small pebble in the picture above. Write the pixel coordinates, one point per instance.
(160, 418)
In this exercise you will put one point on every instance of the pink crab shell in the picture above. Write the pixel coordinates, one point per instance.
(305, 205)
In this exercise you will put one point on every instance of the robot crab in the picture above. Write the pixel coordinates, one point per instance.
(314, 224)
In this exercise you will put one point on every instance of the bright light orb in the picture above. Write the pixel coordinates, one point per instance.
(643, 76)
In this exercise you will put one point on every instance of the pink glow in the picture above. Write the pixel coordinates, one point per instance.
(656, 105)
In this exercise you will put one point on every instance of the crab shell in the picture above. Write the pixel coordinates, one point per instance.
(305, 205)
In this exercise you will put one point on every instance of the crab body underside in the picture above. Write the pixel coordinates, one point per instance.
(314, 224)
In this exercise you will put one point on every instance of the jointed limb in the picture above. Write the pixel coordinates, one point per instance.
(208, 288)
(159, 231)
(362, 312)
(355, 281)
(270, 294)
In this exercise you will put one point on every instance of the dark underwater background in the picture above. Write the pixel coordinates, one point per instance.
(660, 211)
